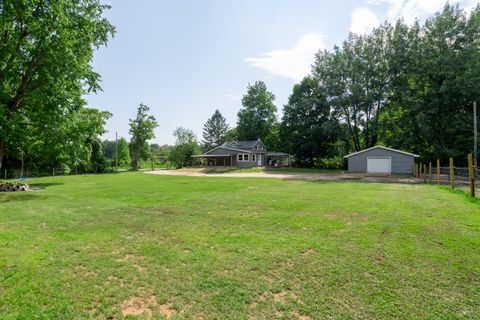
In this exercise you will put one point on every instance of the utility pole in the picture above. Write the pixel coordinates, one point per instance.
(475, 143)
(116, 151)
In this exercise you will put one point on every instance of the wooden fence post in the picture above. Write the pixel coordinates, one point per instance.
(425, 173)
(438, 171)
(430, 172)
(452, 174)
(471, 175)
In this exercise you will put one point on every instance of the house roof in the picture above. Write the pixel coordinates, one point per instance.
(233, 149)
(210, 155)
(249, 144)
(385, 148)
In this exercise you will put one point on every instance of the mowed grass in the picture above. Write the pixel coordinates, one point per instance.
(112, 246)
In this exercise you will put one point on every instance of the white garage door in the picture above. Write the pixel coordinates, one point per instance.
(379, 165)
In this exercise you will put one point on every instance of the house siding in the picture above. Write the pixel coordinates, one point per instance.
(249, 163)
(401, 163)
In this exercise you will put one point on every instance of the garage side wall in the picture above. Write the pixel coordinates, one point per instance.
(401, 163)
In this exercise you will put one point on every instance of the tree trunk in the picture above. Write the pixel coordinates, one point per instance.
(2, 151)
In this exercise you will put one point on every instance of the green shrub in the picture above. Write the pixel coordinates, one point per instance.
(336, 162)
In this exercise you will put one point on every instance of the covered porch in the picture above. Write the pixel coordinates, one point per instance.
(214, 160)
(279, 159)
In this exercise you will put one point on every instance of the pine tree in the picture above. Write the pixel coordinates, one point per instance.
(214, 131)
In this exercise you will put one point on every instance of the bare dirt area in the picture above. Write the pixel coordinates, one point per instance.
(196, 172)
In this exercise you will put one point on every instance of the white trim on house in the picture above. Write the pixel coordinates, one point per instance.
(385, 148)
(243, 155)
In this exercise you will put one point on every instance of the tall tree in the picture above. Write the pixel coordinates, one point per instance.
(80, 139)
(186, 145)
(214, 131)
(142, 130)
(123, 153)
(356, 81)
(46, 48)
(258, 116)
(308, 130)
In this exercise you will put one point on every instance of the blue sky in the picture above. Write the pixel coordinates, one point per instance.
(184, 59)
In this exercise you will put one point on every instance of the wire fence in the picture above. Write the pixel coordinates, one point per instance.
(463, 178)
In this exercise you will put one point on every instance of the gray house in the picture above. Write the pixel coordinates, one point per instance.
(243, 154)
(381, 160)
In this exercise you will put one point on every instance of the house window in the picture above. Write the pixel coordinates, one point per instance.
(254, 157)
(242, 157)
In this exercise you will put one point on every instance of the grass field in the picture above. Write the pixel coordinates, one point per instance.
(110, 246)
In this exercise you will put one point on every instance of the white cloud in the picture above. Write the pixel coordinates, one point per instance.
(293, 63)
(409, 10)
(363, 20)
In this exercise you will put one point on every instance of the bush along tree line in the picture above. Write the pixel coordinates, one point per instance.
(409, 87)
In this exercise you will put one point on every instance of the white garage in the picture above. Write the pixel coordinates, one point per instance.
(381, 160)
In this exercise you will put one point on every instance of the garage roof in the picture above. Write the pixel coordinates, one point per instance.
(385, 148)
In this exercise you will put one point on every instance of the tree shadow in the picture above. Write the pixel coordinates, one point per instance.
(44, 185)
(18, 196)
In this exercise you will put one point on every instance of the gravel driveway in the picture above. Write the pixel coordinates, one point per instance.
(293, 176)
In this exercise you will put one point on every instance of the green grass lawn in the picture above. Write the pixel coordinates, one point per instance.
(101, 246)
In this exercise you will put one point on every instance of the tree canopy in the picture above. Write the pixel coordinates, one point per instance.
(186, 145)
(257, 117)
(46, 48)
(142, 130)
(408, 87)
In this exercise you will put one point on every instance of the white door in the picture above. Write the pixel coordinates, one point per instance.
(379, 164)
(259, 159)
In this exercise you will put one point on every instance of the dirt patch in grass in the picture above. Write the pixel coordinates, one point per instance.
(308, 251)
(280, 296)
(380, 257)
(167, 310)
(139, 268)
(300, 316)
(130, 257)
(137, 306)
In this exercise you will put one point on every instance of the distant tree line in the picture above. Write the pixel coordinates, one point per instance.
(409, 87)
(406, 87)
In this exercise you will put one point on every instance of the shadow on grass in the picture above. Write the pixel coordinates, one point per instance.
(18, 196)
(44, 185)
